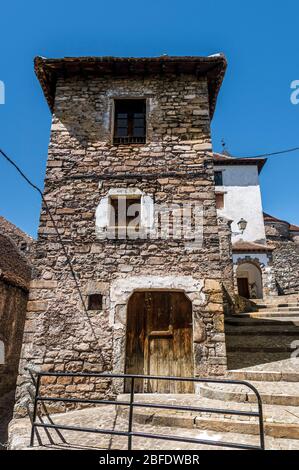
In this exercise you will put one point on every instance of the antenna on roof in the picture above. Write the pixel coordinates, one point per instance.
(224, 148)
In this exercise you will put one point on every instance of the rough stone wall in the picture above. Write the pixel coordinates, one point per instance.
(285, 257)
(278, 230)
(58, 334)
(226, 264)
(295, 236)
(226, 254)
(286, 266)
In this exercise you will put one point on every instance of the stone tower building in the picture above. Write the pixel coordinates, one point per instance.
(127, 133)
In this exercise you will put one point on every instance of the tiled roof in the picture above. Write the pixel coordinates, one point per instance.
(8, 228)
(14, 267)
(223, 159)
(271, 218)
(24, 242)
(213, 67)
(244, 246)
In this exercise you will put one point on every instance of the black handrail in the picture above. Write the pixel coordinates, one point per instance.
(133, 404)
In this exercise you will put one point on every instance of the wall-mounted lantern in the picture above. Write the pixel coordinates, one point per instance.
(242, 224)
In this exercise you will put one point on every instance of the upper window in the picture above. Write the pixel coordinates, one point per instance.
(218, 178)
(130, 123)
(219, 200)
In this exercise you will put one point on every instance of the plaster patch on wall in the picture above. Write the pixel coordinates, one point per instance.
(103, 209)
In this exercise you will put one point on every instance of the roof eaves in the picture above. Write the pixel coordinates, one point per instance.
(226, 160)
(213, 67)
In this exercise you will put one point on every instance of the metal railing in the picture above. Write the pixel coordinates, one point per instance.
(132, 404)
(129, 140)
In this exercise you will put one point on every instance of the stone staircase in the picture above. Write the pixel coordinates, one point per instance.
(265, 336)
(259, 348)
(281, 422)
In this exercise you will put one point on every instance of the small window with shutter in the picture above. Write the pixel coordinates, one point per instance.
(219, 200)
(218, 178)
(130, 121)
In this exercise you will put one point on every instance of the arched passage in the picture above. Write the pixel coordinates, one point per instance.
(249, 280)
(159, 340)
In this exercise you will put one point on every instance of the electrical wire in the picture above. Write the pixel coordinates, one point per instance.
(270, 154)
(53, 222)
(69, 262)
(55, 226)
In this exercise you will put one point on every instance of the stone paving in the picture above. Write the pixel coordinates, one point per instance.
(107, 417)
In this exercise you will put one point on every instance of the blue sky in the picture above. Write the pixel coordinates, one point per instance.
(254, 113)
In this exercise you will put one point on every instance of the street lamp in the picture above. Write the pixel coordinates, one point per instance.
(242, 224)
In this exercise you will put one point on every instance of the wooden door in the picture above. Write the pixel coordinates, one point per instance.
(243, 287)
(136, 324)
(159, 340)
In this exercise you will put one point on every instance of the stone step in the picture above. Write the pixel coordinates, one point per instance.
(279, 299)
(266, 330)
(240, 321)
(281, 313)
(286, 369)
(264, 375)
(265, 343)
(279, 421)
(277, 308)
(284, 350)
(105, 417)
(278, 305)
(244, 360)
(272, 393)
(269, 314)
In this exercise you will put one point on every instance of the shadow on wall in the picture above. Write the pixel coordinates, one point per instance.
(15, 273)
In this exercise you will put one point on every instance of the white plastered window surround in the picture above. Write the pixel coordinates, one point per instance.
(103, 211)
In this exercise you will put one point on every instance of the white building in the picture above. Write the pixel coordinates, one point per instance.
(238, 199)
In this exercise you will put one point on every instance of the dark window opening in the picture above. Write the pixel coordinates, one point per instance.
(130, 122)
(218, 178)
(23, 246)
(95, 302)
(125, 212)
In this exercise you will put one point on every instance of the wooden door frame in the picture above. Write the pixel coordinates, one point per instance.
(119, 292)
(146, 342)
